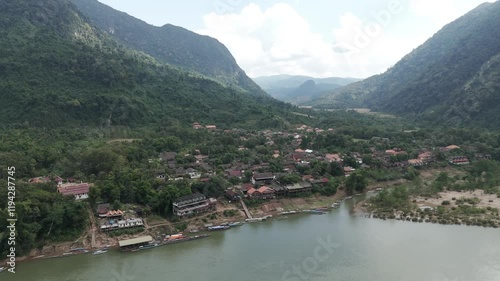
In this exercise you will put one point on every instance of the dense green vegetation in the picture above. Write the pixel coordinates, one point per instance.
(43, 215)
(453, 78)
(58, 70)
(170, 44)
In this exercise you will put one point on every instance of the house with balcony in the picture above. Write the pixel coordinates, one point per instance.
(192, 204)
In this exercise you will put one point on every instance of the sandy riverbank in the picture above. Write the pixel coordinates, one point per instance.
(486, 200)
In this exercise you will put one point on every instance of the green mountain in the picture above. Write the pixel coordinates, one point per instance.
(170, 44)
(306, 92)
(294, 81)
(454, 77)
(57, 69)
(298, 89)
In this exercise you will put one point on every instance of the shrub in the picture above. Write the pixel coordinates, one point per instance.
(230, 213)
(446, 202)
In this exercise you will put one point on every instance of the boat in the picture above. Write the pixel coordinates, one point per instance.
(99, 252)
(184, 239)
(219, 227)
(316, 212)
(79, 250)
(2, 269)
(148, 246)
(254, 220)
(234, 224)
(335, 205)
(173, 237)
(281, 218)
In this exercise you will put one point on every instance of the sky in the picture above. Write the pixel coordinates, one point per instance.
(319, 38)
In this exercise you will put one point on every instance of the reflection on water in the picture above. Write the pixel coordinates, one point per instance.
(350, 248)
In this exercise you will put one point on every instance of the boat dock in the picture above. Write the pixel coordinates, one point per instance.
(245, 209)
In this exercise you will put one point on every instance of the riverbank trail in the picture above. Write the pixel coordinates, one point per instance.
(93, 224)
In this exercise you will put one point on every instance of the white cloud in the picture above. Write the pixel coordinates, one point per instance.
(279, 40)
(443, 12)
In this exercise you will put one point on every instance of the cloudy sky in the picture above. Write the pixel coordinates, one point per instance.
(320, 38)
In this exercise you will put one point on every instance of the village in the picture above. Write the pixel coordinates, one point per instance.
(273, 173)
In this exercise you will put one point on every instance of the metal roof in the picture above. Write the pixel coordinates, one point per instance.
(134, 241)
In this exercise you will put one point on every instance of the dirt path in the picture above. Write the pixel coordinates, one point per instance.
(92, 228)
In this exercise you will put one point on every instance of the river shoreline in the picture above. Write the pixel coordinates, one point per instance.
(278, 206)
(442, 209)
(58, 250)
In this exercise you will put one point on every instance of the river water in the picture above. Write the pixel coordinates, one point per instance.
(335, 246)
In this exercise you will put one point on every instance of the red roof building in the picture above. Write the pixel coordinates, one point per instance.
(80, 191)
(263, 192)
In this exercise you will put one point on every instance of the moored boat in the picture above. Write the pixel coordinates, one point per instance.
(258, 219)
(219, 227)
(99, 252)
(289, 213)
(184, 239)
(148, 246)
(316, 212)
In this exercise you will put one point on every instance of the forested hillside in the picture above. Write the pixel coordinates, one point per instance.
(170, 44)
(59, 70)
(452, 78)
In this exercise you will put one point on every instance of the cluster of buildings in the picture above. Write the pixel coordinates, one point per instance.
(67, 187)
(193, 204)
(198, 169)
(112, 220)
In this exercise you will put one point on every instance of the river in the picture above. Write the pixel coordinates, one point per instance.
(335, 246)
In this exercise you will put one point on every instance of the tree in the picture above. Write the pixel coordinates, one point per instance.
(351, 162)
(336, 170)
(94, 196)
(441, 181)
(116, 205)
(356, 182)
(331, 188)
(289, 179)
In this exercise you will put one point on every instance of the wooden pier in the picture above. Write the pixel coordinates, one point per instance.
(245, 209)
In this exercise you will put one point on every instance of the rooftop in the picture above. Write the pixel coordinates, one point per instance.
(138, 240)
(190, 198)
(74, 189)
(263, 176)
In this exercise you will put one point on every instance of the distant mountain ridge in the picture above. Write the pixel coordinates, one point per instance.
(294, 81)
(298, 89)
(454, 77)
(170, 44)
